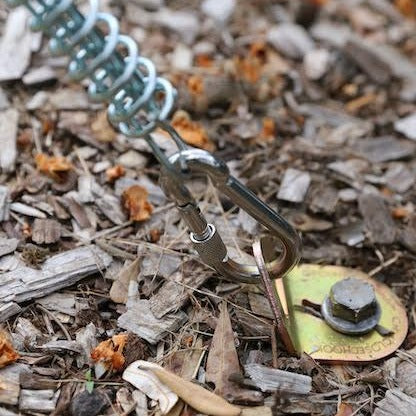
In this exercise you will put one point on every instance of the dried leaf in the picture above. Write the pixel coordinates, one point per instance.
(7, 353)
(222, 359)
(54, 167)
(115, 172)
(407, 8)
(136, 203)
(268, 131)
(120, 287)
(196, 396)
(345, 409)
(109, 353)
(196, 85)
(192, 132)
(149, 383)
(102, 129)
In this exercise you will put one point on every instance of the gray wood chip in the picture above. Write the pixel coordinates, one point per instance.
(26, 210)
(407, 126)
(385, 148)
(294, 185)
(110, 206)
(271, 380)
(59, 271)
(4, 203)
(39, 75)
(366, 56)
(60, 302)
(8, 309)
(399, 178)
(4, 102)
(396, 403)
(43, 401)
(46, 231)
(377, 219)
(8, 245)
(15, 46)
(140, 320)
(8, 134)
(9, 376)
(173, 295)
(291, 40)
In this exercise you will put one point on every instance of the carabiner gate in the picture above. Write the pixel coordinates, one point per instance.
(204, 236)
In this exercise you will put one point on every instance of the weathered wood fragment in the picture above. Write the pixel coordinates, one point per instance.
(384, 149)
(60, 302)
(4, 203)
(8, 309)
(26, 210)
(294, 185)
(366, 56)
(8, 133)
(173, 294)
(396, 403)
(46, 231)
(59, 271)
(272, 380)
(9, 378)
(43, 401)
(377, 218)
(15, 46)
(140, 320)
(8, 245)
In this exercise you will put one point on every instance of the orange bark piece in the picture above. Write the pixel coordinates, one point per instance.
(204, 61)
(400, 212)
(196, 85)
(191, 131)
(115, 172)
(110, 352)
(7, 353)
(268, 131)
(407, 8)
(345, 409)
(54, 167)
(136, 203)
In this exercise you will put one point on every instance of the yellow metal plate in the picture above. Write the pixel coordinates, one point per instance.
(313, 336)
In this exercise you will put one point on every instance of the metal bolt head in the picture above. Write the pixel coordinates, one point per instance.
(351, 306)
(353, 300)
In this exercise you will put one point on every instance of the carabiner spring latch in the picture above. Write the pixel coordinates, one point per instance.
(204, 236)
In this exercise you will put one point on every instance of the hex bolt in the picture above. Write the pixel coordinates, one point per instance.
(351, 307)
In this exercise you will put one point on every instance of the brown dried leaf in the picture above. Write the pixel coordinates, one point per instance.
(110, 352)
(136, 203)
(345, 409)
(102, 129)
(196, 396)
(192, 132)
(54, 167)
(223, 362)
(115, 172)
(120, 287)
(7, 353)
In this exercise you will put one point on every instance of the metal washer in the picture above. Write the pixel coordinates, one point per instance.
(347, 327)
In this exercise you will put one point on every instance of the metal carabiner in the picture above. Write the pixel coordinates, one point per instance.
(207, 241)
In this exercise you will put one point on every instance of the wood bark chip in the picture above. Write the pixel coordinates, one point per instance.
(377, 219)
(59, 271)
(396, 403)
(46, 231)
(15, 46)
(272, 380)
(8, 135)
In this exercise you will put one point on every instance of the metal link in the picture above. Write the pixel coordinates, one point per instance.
(139, 102)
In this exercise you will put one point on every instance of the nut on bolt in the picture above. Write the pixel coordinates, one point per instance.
(351, 307)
